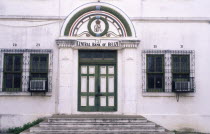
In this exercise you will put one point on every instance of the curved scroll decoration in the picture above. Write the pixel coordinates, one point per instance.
(98, 21)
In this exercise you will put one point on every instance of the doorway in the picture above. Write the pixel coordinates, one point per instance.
(97, 85)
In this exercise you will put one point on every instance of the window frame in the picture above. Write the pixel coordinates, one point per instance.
(31, 64)
(4, 88)
(155, 73)
(172, 63)
(181, 76)
(39, 71)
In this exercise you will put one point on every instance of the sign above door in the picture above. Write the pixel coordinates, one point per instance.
(97, 43)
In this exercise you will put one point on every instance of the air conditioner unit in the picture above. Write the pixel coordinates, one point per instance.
(37, 86)
(182, 86)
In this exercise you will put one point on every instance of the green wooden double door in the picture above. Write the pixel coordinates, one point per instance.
(97, 84)
(97, 88)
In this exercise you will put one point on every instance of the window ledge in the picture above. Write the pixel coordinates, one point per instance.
(167, 94)
(48, 94)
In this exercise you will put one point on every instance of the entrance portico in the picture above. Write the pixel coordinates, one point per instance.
(97, 62)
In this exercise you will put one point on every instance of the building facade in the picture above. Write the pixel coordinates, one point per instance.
(118, 57)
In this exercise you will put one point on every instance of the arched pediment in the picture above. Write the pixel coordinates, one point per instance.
(98, 20)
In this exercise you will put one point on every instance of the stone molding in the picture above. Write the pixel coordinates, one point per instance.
(165, 19)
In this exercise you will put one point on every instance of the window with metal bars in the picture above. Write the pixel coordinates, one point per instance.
(155, 73)
(12, 73)
(24, 69)
(39, 72)
(181, 80)
(168, 71)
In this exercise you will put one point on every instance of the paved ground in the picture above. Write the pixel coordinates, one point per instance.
(189, 133)
(176, 133)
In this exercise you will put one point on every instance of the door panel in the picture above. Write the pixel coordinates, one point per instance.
(103, 84)
(97, 88)
(92, 84)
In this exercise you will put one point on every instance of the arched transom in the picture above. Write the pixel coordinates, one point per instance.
(98, 21)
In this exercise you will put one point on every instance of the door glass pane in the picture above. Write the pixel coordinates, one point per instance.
(85, 55)
(111, 100)
(91, 100)
(103, 69)
(83, 84)
(83, 100)
(102, 100)
(91, 69)
(109, 55)
(91, 83)
(111, 69)
(111, 84)
(97, 55)
(84, 69)
(103, 84)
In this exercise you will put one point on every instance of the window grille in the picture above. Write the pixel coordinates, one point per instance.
(26, 62)
(168, 68)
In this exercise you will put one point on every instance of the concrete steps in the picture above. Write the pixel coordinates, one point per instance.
(90, 124)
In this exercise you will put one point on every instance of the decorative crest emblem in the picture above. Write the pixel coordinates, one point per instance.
(98, 26)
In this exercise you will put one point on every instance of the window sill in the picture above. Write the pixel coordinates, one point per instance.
(48, 94)
(156, 94)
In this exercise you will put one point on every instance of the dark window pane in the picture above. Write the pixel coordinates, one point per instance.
(97, 55)
(151, 81)
(109, 55)
(43, 58)
(43, 75)
(85, 55)
(176, 64)
(35, 63)
(17, 63)
(43, 63)
(184, 64)
(39, 63)
(39, 75)
(159, 64)
(159, 81)
(151, 64)
(35, 75)
(17, 80)
(181, 64)
(9, 63)
(181, 76)
(35, 59)
(8, 80)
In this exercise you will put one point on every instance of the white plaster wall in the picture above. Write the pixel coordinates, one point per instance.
(134, 8)
(30, 7)
(16, 110)
(190, 112)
